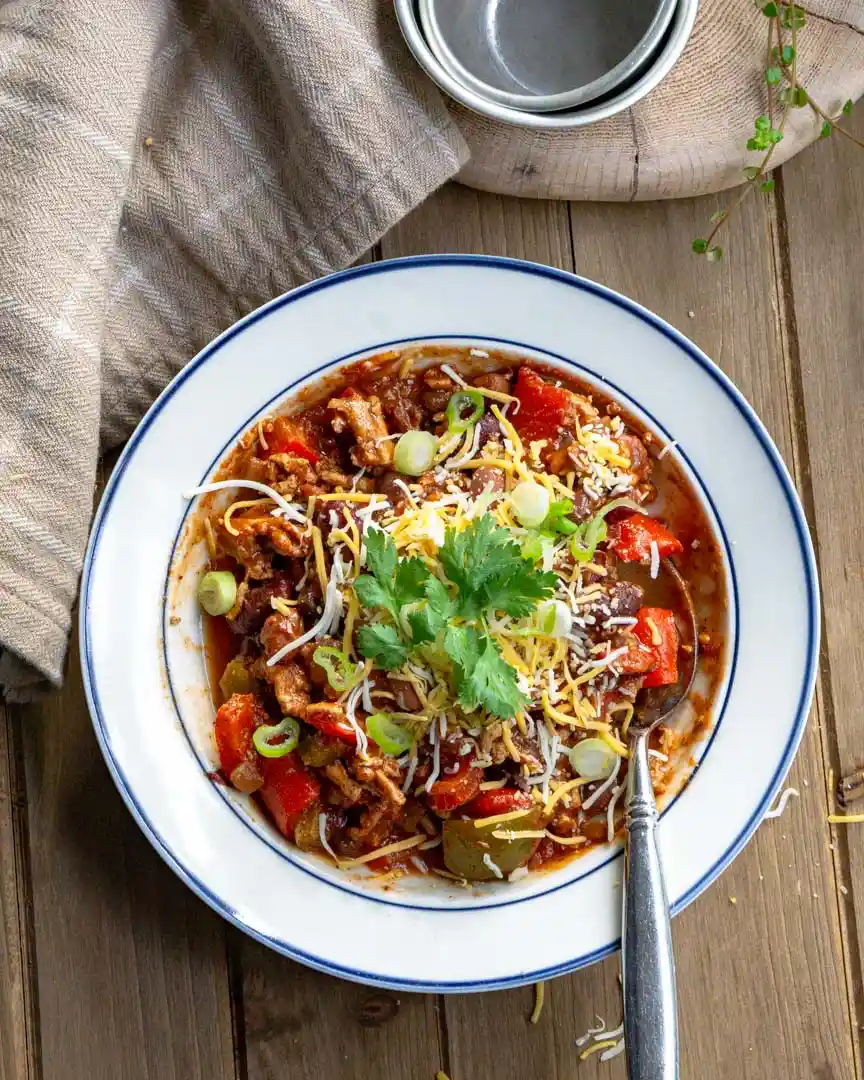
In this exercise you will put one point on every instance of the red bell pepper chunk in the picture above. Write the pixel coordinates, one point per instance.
(289, 787)
(631, 539)
(543, 408)
(288, 437)
(500, 801)
(659, 623)
(329, 720)
(236, 720)
(456, 790)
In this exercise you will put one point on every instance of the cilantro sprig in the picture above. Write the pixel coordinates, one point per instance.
(486, 574)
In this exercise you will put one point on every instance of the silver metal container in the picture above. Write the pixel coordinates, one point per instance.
(544, 55)
(626, 94)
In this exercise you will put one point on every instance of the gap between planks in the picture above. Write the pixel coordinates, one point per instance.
(19, 999)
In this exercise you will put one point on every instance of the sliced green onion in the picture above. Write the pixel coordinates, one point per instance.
(585, 541)
(415, 452)
(341, 673)
(217, 591)
(593, 759)
(532, 547)
(554, 618)
(531, 503)
(463, 409)
(392, 739)
(558, 520)
(288, 733)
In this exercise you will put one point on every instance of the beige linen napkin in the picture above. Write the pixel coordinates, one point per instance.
(166, 166)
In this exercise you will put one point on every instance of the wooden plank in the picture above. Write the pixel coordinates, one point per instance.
(18, 1050)
(305, 1025)
(822, 195)
(744, 968)
(133, 980)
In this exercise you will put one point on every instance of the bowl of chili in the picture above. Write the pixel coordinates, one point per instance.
(406, 589)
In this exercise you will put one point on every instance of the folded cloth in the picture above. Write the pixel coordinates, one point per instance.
(165, 167)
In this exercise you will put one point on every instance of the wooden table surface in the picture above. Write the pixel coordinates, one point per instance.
(110, 967)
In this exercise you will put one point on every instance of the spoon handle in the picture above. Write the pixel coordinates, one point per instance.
(650, 1007)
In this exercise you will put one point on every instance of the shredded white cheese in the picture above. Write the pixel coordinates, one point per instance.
(655, 559)
(496, 870)
(781, 805)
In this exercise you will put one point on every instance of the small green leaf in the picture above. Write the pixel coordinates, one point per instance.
(718, 216)
(847, 107)
(714, 254)
(826, 130)
(383, 645)
(700, 246)
(787, 54)
(792, 17)
(767, 185)
(751, 172)
(770, 10)
(800, 98)
(773, 76)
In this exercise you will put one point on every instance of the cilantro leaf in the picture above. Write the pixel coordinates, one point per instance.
(520, 591)
(383, 645)
(409, 580)
(462, 646)
(425, 624)
(490, 681)
(393, 582)
(486, 565)
(370, 593)
(380, 554)
(439, 597)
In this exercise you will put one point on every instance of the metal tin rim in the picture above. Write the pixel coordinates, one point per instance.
(679, 34)
(636, 61)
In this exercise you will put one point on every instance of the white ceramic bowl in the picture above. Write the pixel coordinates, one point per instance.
(145, 678)
(616, 101)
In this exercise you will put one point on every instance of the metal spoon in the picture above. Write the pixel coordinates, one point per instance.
(650, 1005)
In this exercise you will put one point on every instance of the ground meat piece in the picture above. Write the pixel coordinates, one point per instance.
(279, 630)
(564, 823)
(309, 596)
(634, 449)
(256, 542)
(436, 400)
(498, 381)
(290, 686)
(399, 400)
(625, 598)
(486, 477)
(288, 472)
(375, 825)
(256, 604)
(351, 790)
(365, 418)
(333, 478)
(628, 686)
(436, 379)
(580, 411)
(365, 770)
(583, 508)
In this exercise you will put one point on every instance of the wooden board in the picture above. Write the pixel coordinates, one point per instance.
(112, 969)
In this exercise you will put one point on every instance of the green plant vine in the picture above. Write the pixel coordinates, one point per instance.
(785, 93)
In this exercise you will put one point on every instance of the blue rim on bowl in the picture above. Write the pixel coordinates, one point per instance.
(562, 278)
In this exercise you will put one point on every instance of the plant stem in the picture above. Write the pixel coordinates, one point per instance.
(768, 64)
(830, 120)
